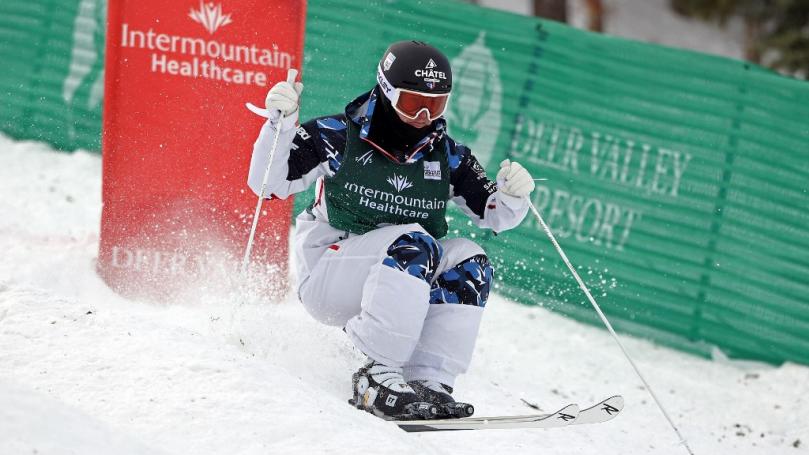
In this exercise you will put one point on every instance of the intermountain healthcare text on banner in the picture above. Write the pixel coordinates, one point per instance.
(177, 139)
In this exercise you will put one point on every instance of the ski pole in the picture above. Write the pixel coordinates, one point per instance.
(291, 75)
(607, 323)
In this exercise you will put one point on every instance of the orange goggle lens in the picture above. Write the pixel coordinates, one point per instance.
(410, 104)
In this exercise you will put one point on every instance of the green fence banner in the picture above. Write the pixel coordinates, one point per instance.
(52, 80)
(677, 182)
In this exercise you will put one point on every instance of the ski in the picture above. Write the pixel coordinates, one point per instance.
(598, 413)
(601, 412)
(560, 418)
(570, 415)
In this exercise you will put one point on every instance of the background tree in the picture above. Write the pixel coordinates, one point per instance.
(551, 9)
(776, 31)
(595, 15)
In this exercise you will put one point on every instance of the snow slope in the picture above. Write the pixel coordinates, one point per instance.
(85, 371)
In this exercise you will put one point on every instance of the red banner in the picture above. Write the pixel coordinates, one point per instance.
(177, 140)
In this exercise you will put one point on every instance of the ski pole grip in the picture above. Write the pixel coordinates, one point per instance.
(292, 73)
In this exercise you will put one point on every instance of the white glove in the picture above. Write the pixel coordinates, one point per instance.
(283, 97)
(514, 180)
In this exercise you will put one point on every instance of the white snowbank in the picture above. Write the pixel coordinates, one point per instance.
(35, 423)
(83, 370)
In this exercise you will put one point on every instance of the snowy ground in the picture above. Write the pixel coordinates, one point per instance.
(85, 371)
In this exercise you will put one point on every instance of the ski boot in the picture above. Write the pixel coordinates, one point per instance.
(382, 391)
(440, 395)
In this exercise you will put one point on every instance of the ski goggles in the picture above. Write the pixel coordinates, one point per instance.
(410, 103)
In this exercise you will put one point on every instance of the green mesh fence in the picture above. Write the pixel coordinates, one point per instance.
(677, 182)
(52, 78)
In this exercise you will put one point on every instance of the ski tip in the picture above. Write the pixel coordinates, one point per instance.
(571, 408)
(615, 402)
(566, 415)
(601, 412)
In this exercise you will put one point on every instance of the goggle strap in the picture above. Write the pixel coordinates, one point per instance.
(391, 92)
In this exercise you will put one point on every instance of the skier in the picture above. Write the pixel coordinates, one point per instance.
(370, 250)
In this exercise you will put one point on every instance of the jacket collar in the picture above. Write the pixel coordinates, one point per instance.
(361, 111)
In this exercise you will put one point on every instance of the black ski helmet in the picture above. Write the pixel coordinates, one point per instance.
(417, 66)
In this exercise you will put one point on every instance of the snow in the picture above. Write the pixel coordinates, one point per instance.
(85, 371)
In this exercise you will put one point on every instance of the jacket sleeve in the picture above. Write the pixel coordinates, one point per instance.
(298, 160)
(478, 197)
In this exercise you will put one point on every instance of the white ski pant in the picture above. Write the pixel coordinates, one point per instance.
(385, 311)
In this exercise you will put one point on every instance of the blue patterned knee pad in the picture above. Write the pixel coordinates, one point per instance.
(467, 283)
(416, 253)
